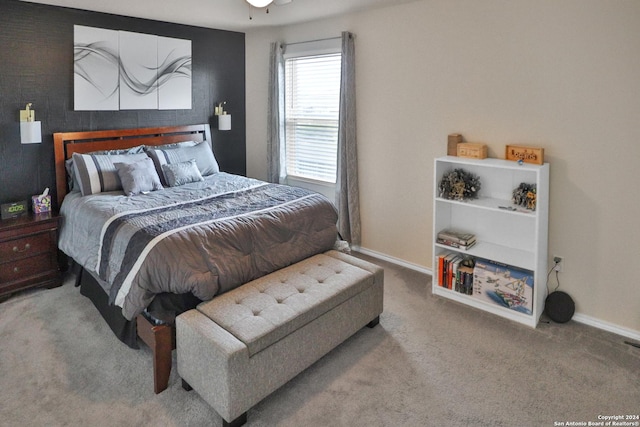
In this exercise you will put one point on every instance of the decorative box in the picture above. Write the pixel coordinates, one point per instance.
(452, 144)
(504, 285)
(472, 150)
(41, 204)
(533, 155)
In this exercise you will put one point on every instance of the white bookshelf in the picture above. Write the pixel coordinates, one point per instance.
(514, 237)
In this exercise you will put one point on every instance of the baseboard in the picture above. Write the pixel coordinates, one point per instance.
(392, 260)
(578, 317)
(606, 326)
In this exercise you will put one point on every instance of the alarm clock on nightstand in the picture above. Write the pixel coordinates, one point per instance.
(14, 210)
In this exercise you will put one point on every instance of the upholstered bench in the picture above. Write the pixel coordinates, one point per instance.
(241, 346)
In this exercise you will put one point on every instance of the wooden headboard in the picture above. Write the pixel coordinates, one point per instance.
(67, 143)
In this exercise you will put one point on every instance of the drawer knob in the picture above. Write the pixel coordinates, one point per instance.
(26, 248)
(16, 270)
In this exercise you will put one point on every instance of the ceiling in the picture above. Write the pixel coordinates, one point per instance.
(224, 14)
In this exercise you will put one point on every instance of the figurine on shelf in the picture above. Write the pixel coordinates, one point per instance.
(525, 196)
(459, 185)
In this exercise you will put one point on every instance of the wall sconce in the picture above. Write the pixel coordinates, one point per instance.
(30, 130)
(224, 119)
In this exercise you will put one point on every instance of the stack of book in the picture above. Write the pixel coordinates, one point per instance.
(452, 273)
(456, 239)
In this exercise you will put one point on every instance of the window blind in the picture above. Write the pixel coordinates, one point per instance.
(312, 103)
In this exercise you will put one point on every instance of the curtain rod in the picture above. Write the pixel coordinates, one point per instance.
(312, 41)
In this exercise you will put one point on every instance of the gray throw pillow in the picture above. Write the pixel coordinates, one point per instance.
(182, 173)
(138, 177)
(205, 159)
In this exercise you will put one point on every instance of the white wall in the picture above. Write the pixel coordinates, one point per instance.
(563, 75)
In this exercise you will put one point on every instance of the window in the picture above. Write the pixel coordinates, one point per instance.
(312, 104)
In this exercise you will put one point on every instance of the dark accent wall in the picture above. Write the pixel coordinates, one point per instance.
(36, 65)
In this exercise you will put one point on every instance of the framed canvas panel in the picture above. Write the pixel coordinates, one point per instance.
(174, 73)
(95, 69)
(138, 71)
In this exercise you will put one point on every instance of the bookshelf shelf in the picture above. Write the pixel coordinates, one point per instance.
(479, 304)
(506, 234)
(504, 206)
(508, 255)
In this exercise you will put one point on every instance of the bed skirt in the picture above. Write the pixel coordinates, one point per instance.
(162, 310)
(124, 329)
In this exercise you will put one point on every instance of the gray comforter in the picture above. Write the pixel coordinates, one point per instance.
(204, 238)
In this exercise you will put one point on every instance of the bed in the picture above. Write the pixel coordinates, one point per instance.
(153, 227)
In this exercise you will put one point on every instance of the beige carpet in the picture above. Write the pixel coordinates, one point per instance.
(430, 362)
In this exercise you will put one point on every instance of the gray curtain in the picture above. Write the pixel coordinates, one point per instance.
(275, 151)
(347, 192)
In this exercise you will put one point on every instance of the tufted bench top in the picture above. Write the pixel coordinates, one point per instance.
(268, 309)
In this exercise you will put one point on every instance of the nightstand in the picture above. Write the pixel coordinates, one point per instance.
(29, 253)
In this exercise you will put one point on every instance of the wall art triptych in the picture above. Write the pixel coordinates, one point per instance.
(121, 70)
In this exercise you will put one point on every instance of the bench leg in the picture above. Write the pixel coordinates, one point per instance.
(374, 322)
(186, 386)
(241, 420)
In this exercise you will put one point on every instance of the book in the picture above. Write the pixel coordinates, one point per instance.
(448, 259)
(455, 244)
(504, 285)
(458, 279)
(450, 263)
(465, 285)
(444, 265)
(437, 269)
(460, 237)
(455, 265)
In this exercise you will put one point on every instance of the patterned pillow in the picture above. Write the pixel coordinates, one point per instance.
(96, 173)
(182, 173)
(138, 177)
(72, 181)
(131, 150)
(206, 162)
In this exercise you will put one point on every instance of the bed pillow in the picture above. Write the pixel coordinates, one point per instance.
(72, 181)
(172, 145)
(72, 184)
(182, 173)
(138, 177)
(206, 162)
(138, 149)
(96, 173)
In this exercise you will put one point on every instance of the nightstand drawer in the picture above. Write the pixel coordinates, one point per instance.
(27, 267)
(29, 253)
(25, 247)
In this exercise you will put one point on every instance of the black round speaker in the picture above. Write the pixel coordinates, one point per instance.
(559, 307)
